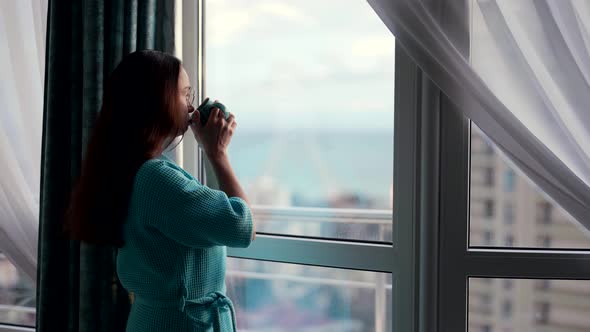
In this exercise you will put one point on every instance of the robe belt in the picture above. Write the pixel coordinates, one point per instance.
(212, 302)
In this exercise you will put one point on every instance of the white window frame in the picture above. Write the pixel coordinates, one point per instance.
(399, 258)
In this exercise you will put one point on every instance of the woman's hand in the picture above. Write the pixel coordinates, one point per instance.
(216, 134)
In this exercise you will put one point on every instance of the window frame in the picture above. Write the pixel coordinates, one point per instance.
(460, 261)
(430, 258)
(330, 252)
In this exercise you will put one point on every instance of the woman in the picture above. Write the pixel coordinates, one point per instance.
(171, 231)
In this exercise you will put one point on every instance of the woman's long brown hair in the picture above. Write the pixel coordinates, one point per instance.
(140, 112)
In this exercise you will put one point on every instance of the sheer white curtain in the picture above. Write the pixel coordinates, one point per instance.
(22, 67)
(524, 79)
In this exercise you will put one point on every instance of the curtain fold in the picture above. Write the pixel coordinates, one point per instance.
(77, 286)
(522, 78)
(22, 36)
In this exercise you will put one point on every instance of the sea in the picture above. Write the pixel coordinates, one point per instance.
(315, 166)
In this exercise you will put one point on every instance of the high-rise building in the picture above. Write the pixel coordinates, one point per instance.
(508, 211)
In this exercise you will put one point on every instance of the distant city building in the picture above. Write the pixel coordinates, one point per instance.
(508, 211)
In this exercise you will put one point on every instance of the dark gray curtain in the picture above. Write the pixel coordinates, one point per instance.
(77, 287)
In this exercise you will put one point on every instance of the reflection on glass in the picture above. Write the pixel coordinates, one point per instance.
(528, 305)
(289, 297)
(313, 97)
(17, 296)
(517, 213)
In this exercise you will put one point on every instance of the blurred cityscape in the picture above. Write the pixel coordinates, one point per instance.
(286, 297)
(306, 183)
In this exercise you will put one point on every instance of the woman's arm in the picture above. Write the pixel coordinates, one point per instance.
(228, 182)
(188, 212)
(215, 137)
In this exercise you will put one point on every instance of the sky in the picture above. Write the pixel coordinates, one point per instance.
(325, 64)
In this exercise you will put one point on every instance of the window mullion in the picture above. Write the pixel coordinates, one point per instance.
(190, 47)
(328, 253)
(516, 263)
(454, 190)
(406, 183)
(454, 218)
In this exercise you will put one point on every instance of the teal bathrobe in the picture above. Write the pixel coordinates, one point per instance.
(173, 259)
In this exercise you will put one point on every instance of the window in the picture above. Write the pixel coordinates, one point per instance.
(527, 308)
(509, 184)
(506, 309)
(529, 276)
(508, 213)
(544, 241)
(298, 297)
(486, 299)
(481, 302)
(543, 284)
(313, 95)
(537, 222)
(488, 208)
(465, 254)
(17, 296)
(509, 241)
(544, 210)
(488, 238)
(311, 92)
(542, 310)
(489, 176)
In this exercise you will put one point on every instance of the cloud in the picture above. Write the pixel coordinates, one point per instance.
(374, 46)
(228, 20)
(282, 10)
(226, 25)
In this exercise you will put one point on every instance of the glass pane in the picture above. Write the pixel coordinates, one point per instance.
(17, 296)
(508, 210)
(514, 305)
(278, 297)
(312, 93)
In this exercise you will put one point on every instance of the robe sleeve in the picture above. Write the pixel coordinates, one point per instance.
(193, 214)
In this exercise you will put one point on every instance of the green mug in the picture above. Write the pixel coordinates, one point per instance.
(205, 109)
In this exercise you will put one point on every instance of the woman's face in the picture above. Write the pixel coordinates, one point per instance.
(186, 93)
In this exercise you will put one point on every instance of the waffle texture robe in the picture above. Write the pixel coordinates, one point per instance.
(173, 259)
